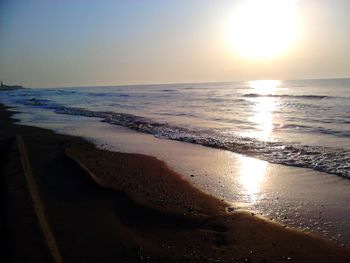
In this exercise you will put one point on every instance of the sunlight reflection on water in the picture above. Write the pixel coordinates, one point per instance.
(264, 86)
(264, 107)
(252, 173)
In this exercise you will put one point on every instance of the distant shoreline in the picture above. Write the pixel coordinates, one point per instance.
(10, 87)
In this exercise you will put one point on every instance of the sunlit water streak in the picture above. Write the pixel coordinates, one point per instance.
(252, 173)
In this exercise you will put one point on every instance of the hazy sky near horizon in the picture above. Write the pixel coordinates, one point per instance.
(86, 42)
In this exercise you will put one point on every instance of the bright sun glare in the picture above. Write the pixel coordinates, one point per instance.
(263, 28)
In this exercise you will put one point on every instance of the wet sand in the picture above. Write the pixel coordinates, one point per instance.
(106, 206)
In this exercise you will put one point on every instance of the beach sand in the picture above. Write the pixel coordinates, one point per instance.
(102, 206)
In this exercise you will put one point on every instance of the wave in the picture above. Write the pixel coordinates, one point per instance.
(330, 160)
(313, 129)
(167, 90)
(255, 95)
(39, 102)
(107, 94)
(65, 91)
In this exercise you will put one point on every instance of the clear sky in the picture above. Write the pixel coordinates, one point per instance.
(85, 42)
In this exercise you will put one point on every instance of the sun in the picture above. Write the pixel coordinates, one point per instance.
(263, 28)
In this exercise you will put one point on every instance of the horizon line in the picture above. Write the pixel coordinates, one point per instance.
(177, 83)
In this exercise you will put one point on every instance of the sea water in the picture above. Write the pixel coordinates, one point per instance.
(304, 123)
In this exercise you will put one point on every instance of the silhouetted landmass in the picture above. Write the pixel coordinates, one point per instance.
(9, 87)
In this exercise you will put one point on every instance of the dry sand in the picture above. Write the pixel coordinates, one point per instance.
(105, 206)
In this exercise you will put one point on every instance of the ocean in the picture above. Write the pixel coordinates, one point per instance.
(303, 123)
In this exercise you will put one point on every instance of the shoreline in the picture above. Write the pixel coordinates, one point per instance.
(148, 213)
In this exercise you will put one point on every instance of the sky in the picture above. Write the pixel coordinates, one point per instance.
(89, 43)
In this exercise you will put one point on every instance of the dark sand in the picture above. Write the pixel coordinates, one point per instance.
(114, 207)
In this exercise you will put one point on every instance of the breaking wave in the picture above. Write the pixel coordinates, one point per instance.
(325, 159)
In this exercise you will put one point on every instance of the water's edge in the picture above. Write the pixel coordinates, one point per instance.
(324, 159)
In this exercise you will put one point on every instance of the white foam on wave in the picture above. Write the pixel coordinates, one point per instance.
(325, 159)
